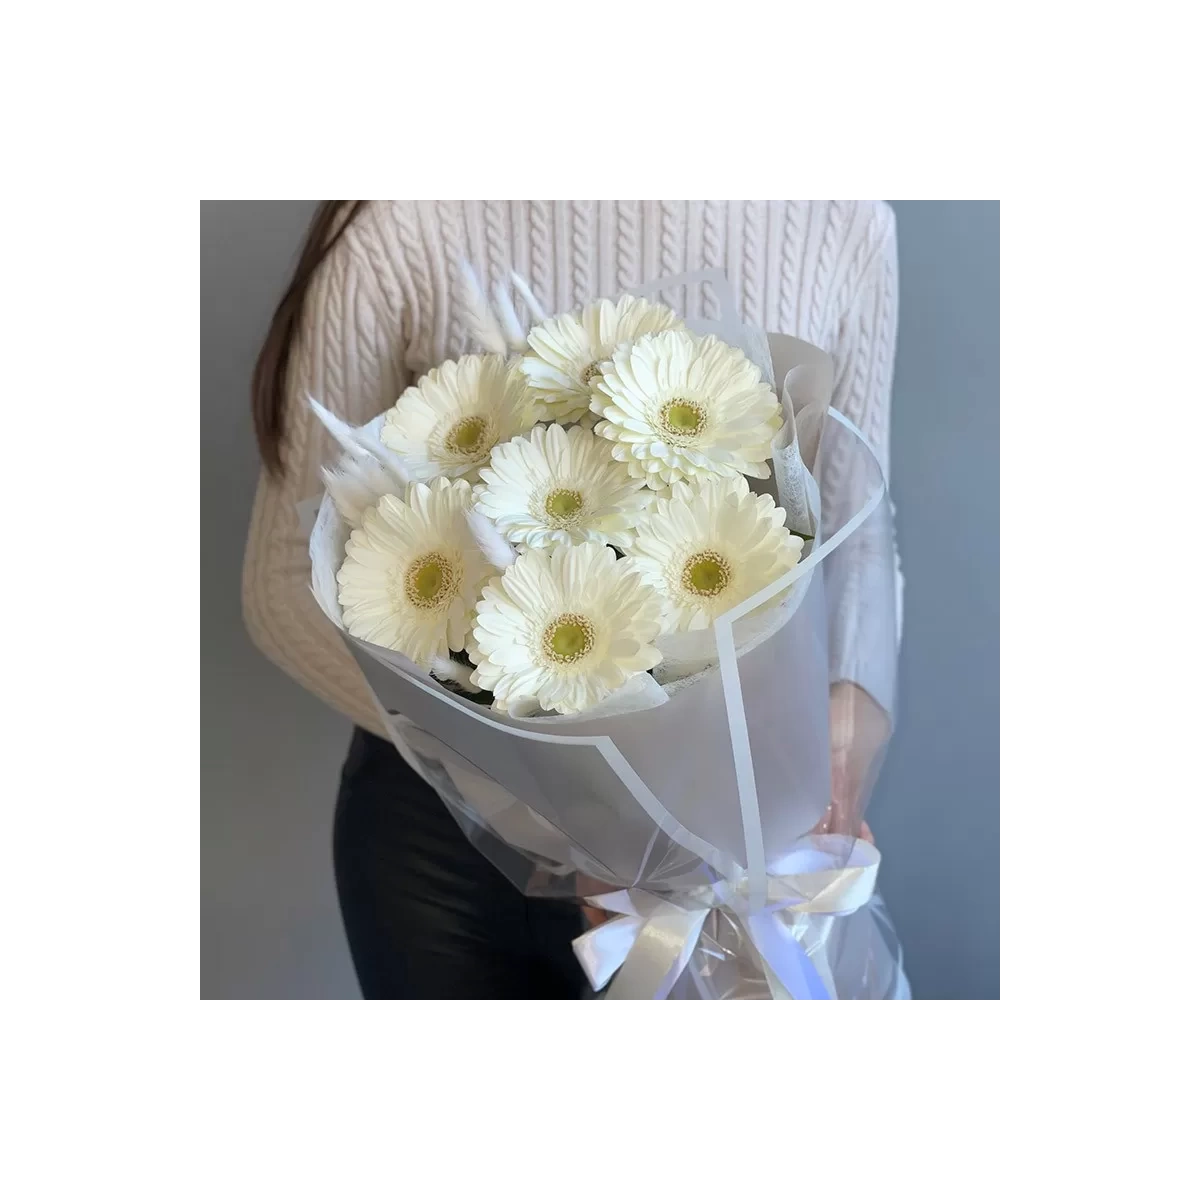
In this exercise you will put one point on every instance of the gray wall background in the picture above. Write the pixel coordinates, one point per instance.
(271, 754)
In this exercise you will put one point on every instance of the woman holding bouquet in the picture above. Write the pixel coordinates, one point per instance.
(374, 304)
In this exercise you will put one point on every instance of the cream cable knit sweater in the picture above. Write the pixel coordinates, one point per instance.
(384, 308)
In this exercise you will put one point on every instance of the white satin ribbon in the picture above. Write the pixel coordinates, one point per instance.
(652, 938)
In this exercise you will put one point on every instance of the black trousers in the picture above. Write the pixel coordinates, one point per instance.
(426, 915)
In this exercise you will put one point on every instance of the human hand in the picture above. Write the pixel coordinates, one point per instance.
(858, 730)
(586, 886)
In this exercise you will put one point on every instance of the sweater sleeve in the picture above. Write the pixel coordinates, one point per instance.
(348, 356)
(865, 629)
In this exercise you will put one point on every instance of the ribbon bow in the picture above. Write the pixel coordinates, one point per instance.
(654, 934)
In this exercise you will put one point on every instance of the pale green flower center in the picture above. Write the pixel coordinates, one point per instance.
(568, 638)
(589, 373)
(430, 580)
(706, 574)
(467, 436)
(563, 503)
(682, 417)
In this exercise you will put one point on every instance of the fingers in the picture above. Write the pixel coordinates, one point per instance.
(587, 886)
(594, 916)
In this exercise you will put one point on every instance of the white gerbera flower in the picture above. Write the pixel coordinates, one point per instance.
(564, 627)
(560, 487)
(678, 406)
(413, 572)
(567, 351)
(449, 421)
(708, 546)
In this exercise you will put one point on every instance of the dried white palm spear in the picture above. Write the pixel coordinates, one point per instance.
(365, 471)
(494, 323)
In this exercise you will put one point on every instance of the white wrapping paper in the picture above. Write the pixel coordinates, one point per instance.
(692, 805)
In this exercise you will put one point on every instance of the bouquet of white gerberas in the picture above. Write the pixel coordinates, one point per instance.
(603, 472)
(580, 558)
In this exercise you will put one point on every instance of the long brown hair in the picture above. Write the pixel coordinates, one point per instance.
(267, 386)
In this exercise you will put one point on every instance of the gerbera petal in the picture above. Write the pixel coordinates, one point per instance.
(565, 350)
(412, 593)
(708, 547)
(448, 422)
(693, 405)
(559, 486)
(548, 628)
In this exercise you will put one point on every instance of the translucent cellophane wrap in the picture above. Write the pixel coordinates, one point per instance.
(714, 807)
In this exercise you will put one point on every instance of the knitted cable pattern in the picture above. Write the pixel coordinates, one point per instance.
(713, 243)
(753, 270)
